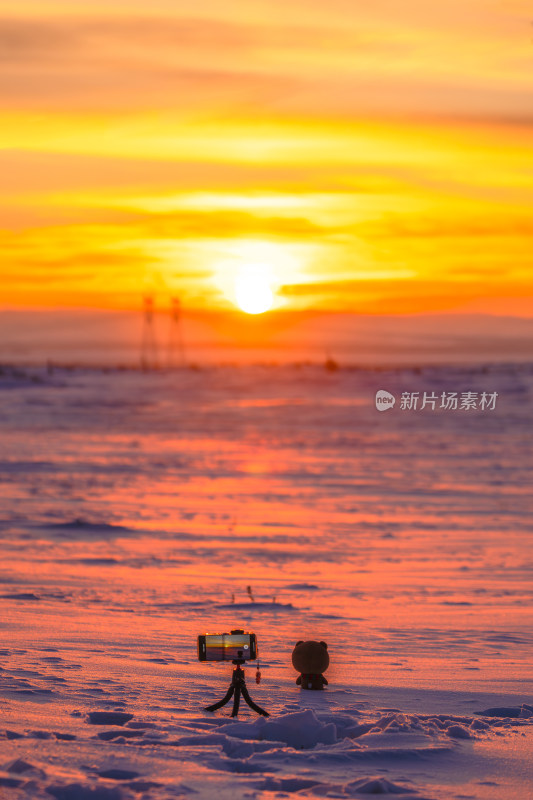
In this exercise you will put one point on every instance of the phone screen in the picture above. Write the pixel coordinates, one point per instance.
(226, 646)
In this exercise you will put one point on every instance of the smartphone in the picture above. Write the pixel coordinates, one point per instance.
(227, 647)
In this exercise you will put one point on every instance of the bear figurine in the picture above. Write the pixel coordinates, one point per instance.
(310, 659)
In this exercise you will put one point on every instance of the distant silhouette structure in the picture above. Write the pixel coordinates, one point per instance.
(330, 365)
(176, 347)
(149, 343)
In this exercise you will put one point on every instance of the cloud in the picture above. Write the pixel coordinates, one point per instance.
(158, 37)
(27, 40)
(342, 64)
(97, 86)
(27, 171)
(24, 264)
(126, 63)
(499, 223)
(222, 224)
(402, 297)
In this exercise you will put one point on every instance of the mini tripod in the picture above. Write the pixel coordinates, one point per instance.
(237, 687)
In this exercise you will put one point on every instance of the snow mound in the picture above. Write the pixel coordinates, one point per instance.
(20, 596)
(377, 786)
(118, 774)
(75, 791)
(21, 767)
(108, 717)
(518, 712)
(303, 587)
(258, 606)
(458, 732)
(288, 784)
(79, 528)
(300, 730)
(428, 725)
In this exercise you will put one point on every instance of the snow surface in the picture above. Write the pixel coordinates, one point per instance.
(137, 509)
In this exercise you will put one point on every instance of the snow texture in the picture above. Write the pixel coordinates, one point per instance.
(140, 510)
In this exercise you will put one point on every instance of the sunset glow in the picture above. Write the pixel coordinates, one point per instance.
(385, 150)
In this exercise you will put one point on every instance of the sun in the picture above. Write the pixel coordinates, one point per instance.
(251, 274)
(253, 291)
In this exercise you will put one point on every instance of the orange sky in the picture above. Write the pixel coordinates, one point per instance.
(374, 158)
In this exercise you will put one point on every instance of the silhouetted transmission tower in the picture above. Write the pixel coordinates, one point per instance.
(149, 344)
(176, 348)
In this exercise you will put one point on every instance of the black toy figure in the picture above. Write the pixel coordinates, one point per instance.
(310, 659)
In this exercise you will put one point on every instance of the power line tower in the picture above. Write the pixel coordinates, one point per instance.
(149, 343)
(176, 347)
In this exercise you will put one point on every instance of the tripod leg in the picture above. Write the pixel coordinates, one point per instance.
(236, 700)
(225, 699)
(251, 703)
